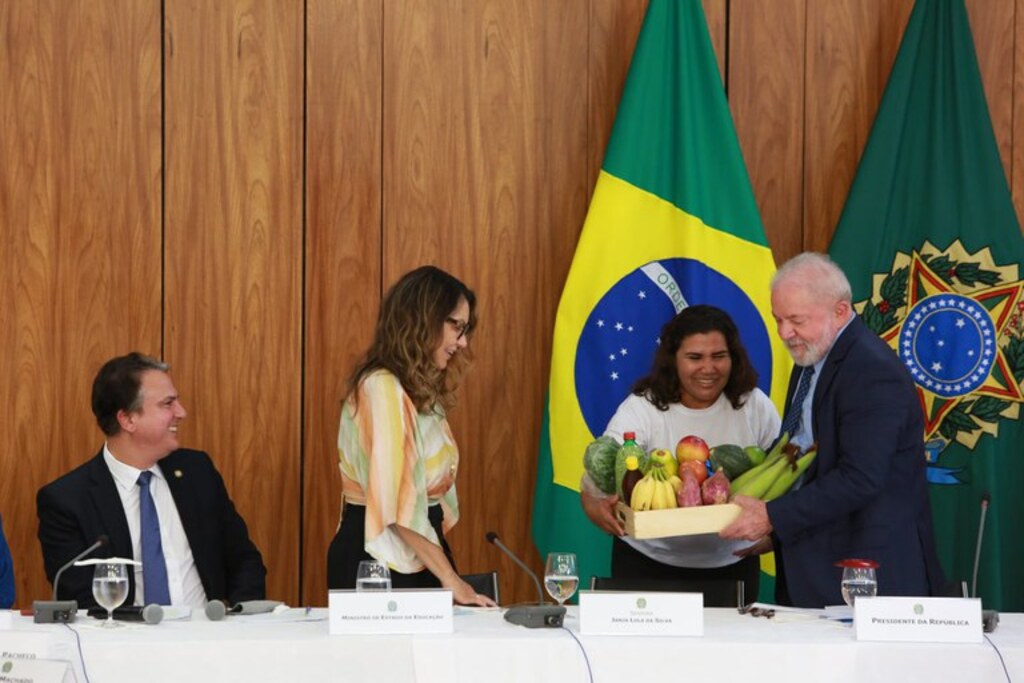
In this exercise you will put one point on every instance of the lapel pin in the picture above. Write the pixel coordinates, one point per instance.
(178, 474)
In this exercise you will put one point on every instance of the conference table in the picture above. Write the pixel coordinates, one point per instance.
(295, 646)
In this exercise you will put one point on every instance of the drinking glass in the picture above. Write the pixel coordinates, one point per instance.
(373, 576)
(110, 588)
(560, 577)
(859, 579)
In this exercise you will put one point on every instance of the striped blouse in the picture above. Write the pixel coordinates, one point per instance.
(396, 461)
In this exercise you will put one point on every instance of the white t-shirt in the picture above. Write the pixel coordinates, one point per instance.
(756, 423)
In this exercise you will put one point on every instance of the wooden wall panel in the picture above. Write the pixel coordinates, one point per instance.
(343, 245)
(843, 87)
(79, 234)
(994, 21)
(614, 28)
(766, 97)
(716, 15)
(233, 254)
(484, 162)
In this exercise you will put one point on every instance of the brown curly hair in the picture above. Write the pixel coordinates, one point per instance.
(409, 328)
(661, 386)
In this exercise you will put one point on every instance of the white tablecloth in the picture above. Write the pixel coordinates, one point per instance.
(297, 647)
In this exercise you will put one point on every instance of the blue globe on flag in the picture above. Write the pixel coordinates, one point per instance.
(621, 334)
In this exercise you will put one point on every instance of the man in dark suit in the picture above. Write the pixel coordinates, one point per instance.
(157, 503)
(865, 496)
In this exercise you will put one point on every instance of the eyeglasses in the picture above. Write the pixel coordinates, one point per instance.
(461, 326)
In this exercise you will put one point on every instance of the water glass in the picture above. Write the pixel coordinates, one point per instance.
(859, 579)
(560, 576)
(373, 576)
(110, 588)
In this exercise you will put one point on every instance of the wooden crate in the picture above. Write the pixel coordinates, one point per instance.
(705, 519)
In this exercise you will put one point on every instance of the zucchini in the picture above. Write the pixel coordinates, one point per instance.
(731, 458)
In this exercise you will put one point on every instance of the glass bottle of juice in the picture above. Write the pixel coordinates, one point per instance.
(630, 478)
(629, 448)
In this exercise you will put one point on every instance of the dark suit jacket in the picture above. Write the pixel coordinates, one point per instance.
(78, 507)
(866, 494)
(6, 572)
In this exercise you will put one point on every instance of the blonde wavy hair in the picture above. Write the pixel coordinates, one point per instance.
(409, 328)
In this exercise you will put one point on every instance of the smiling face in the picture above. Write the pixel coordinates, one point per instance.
(704, 365)
(453, 334)
(806, 325)
(152, 430)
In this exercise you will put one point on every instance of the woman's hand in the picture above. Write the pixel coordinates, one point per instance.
(433, 557)
(601, 512)
(463, 594)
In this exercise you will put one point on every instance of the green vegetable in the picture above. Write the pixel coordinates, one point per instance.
(599, 462)
(732, 459)
(756, 455)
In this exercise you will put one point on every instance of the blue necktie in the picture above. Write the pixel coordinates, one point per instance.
(796, 407)
(154, 567)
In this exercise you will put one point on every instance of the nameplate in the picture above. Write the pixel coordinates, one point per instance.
(27, 645)
(395, 611)
(651, 613)
(6, 619)
(35, 671)
(918, 620)
(29, 657)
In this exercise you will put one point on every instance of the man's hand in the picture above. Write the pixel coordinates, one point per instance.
(601, 512)
(752, 524)
(760, 548)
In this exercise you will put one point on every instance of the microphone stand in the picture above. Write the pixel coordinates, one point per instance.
(989, 617)
(61, 611)
(530, 616)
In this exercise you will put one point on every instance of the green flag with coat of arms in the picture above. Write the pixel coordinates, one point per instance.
(932, 246)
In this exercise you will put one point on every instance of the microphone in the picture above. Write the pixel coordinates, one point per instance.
(217, 610)
(151, 614)
(530, 616)
(989, 617)
(57, 611)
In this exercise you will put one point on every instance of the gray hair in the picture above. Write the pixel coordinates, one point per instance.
(818, 274)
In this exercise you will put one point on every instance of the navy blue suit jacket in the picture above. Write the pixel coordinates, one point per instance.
(6, 572)
(866, 494)
(77, 508)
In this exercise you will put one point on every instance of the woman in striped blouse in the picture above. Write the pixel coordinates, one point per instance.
(397, 457)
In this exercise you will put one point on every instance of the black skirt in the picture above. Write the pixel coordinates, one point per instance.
(347, 551)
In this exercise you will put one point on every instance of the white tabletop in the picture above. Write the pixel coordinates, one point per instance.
(295, 646)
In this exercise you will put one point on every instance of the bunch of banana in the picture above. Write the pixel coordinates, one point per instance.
(656, 491)
(774, 455)
(775, 475)
(789, 476)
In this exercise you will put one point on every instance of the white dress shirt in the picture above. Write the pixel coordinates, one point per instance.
(182, 576)
(803, 435)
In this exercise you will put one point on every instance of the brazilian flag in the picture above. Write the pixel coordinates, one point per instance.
(672, 223)
(931, 243)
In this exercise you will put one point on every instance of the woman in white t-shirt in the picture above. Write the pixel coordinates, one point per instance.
(701, 383)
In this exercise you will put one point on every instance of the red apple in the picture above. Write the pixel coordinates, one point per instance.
(692, 448)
